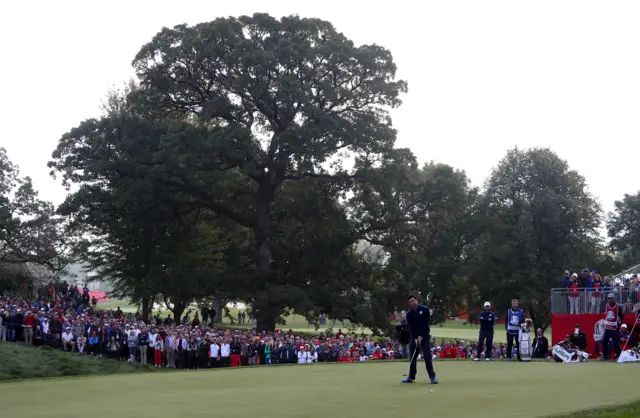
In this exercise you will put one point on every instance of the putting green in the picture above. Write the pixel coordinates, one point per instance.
(466, 389)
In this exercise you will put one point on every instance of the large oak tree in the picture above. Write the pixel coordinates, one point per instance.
(275, 101)
(266, 123)
(540, 220)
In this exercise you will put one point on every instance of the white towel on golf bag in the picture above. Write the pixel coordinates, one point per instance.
(628, 356)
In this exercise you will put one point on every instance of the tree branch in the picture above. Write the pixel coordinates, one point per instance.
(342, 177)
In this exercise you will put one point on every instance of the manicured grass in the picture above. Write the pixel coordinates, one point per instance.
(466, 389)
(124, 304)
(455, 330)
(20, 362)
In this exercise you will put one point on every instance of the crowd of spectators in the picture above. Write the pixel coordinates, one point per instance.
(587, 291)
(67, 319)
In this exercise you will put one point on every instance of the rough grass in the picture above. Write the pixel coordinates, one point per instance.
(628, 410)
(20, 362)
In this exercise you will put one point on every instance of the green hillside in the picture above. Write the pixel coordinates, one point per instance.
(20, 362)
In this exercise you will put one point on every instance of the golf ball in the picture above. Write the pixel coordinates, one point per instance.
(431, 390)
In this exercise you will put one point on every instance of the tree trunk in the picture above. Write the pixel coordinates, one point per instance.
(217, 306)
(265, 324)
(261, 308)
(152, 302)
(145, 309)
(178, 310)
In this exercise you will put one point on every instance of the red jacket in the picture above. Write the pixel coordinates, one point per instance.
(574, 289)
(29, 320)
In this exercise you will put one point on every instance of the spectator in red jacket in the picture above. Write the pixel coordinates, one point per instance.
(28, 324)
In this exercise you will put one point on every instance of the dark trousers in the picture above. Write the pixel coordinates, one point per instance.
(426, 354)
(192, 359)
(511, 340)
(614, 336)
(488, 336)
(180, 359)
(203, 360)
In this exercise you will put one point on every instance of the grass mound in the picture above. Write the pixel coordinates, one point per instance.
(627, 410)
(20, 362)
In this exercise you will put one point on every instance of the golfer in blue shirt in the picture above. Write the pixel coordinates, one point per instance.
(418, 320)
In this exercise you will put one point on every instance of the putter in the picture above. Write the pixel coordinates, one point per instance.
(412, 357)
(632, 328)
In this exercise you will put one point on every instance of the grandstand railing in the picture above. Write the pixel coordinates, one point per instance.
(590, 301)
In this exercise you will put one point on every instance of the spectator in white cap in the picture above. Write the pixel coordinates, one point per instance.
(487, 322)
(68, 343)
(626, 338)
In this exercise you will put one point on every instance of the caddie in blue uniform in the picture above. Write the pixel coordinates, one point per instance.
(418, 320)
(487, 321)
(513, 321)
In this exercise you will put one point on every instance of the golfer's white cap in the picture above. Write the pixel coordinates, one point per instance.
(624, 326)
(487, 304)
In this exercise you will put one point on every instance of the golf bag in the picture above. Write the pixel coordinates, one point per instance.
(630, 356)
(568, 353)
(524, 338)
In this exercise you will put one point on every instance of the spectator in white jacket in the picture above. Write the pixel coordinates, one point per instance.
(312, 356)
(302, 356)
(225, 354)
(214, 355)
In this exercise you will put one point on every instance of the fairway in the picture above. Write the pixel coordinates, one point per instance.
(466, 389)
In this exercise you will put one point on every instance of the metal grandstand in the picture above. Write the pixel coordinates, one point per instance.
(628, 272)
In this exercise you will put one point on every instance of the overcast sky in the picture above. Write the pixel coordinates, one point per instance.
(484, 76)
